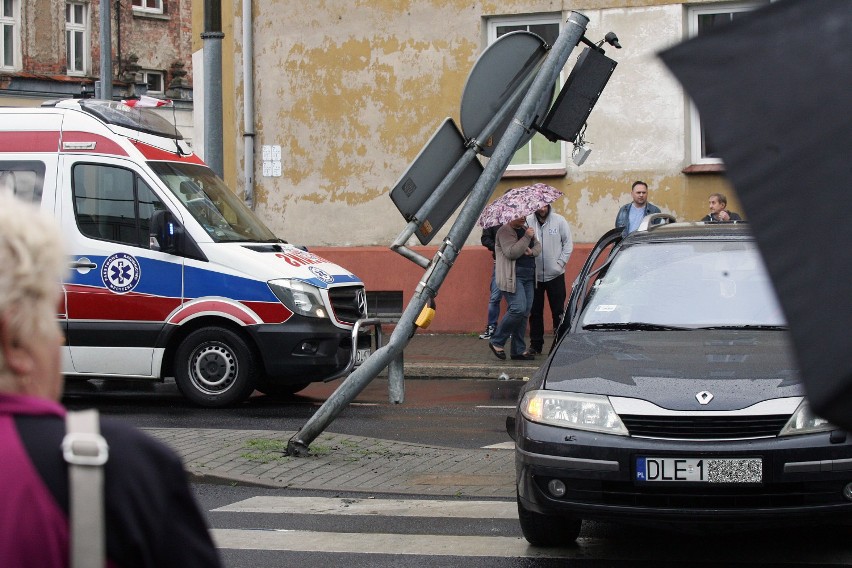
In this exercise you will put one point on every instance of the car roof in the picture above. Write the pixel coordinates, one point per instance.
(689, 231)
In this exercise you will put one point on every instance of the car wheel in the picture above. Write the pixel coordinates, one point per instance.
(215, 367)
(547, 530)
(279, 389)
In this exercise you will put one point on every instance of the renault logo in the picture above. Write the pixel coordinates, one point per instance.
(361, 299)
(704, 397)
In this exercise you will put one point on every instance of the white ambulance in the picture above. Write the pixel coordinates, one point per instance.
(171, 275)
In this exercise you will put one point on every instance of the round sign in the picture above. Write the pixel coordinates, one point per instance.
(495, 76)
(120, 273)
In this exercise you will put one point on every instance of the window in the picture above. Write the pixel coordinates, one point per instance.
(23, 179)
(702, 20)
(10, 35)
(154, 80)
(152, 6)
(113, 204)
(77, 38)
(539, 152)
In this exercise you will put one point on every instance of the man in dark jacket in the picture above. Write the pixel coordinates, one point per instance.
(719, 210)
(631, 214)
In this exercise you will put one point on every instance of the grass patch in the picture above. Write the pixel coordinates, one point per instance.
(263, 450)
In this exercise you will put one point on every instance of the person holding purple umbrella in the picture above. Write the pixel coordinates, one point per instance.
(515, 251)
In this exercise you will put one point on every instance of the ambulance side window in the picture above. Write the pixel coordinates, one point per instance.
(113, 204)
(22, 178)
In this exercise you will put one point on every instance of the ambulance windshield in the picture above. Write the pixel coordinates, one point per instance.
(212, 204)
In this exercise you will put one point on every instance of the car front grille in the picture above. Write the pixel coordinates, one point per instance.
(349, 303)
(705, 427)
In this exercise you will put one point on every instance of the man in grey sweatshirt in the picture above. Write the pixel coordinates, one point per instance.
(554, 234)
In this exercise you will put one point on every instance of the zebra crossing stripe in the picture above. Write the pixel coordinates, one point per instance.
(386, 507)
(380, 543)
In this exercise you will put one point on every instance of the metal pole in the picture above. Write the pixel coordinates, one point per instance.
(446, 255)
(212, 36)
(106, 50)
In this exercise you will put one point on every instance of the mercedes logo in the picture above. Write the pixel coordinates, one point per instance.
(704, 397)
(361, 299)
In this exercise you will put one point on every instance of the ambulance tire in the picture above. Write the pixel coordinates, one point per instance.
(214, 367)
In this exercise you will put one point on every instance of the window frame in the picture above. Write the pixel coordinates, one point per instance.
(531, 20)
(13, 20)
(696, 129)
(92, 223)
(145, 75)
(85, 30)
(158, 9)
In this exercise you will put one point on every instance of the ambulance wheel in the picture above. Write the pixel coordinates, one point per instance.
(214, 367)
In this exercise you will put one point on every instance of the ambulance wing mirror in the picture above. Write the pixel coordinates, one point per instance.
(166, 234)
(164, 230)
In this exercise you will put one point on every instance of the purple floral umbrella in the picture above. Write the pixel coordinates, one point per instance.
(516, 203)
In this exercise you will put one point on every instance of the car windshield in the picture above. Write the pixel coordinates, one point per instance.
(684, 285)
(212, 204)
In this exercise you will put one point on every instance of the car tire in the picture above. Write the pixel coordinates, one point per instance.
(548, 530)
(214, 367)
(270, 388)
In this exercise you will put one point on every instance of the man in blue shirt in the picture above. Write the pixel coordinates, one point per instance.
(630, 215)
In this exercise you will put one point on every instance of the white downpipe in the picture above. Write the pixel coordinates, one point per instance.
(248, 103)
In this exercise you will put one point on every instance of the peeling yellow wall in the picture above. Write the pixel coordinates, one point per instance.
(352, 90)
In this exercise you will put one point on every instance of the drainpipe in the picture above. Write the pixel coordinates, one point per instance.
(212, 36)
(248, 104)
(106, 50)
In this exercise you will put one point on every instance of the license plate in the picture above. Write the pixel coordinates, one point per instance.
(361, 356)
(706, 470)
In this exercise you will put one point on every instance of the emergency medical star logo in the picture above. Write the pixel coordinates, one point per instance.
(120, 273)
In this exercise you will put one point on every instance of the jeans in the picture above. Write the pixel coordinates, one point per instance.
(519, 303)
(555, 290)
(494, 301)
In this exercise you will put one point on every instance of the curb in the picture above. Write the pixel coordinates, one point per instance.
(340, 463)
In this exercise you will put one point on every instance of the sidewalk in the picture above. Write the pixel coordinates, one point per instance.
(354, 463)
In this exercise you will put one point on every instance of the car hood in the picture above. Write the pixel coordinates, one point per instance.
(668, 368)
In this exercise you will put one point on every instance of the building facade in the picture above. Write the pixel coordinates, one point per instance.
(51, 49)
(347, 93)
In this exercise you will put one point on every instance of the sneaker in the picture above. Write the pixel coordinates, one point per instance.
(489, 331)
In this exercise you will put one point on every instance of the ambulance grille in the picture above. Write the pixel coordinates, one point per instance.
(349, 303)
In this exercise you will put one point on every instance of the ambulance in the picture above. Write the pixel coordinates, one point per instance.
(171, 275)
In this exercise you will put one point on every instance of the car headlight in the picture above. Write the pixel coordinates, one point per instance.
(804, 421)
(572, 410)
(299, 297)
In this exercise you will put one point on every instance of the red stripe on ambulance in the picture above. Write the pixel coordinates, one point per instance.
(90, 302)
(214, 307)
(31, 141)
(159, 155)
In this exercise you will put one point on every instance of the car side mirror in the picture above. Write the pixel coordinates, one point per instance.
(164, 231)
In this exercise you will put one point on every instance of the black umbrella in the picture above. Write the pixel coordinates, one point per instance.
(774, 91)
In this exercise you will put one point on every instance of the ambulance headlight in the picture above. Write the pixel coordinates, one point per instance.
(299, 297)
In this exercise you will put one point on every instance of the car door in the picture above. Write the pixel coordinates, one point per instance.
(119, 291)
